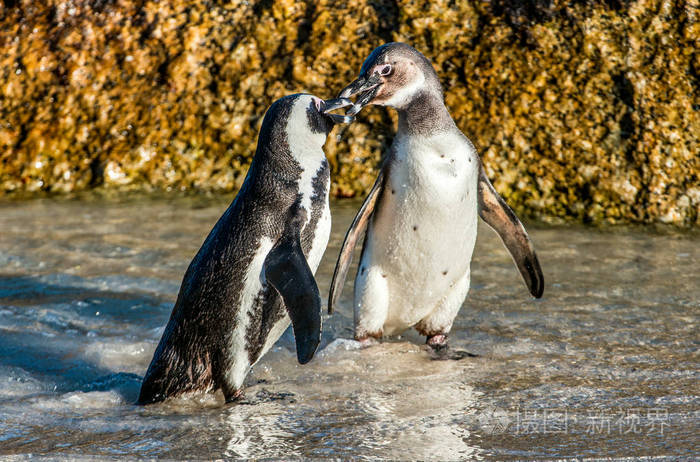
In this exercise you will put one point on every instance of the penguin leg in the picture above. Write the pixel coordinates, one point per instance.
(232, 395)
(369, 340)
(371, 303)
(437, 325)
(437, 342)
(230, 379)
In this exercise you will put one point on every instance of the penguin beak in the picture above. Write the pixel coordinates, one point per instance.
(367, 89)
(337, 103)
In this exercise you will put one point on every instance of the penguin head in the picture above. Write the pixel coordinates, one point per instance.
(319, 115)
(393, 75)
(302, 120)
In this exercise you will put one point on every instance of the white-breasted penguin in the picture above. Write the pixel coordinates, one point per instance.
(256, 268)
(420, 217)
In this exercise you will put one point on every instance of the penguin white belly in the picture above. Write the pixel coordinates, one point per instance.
(237, 343)
(421, 240)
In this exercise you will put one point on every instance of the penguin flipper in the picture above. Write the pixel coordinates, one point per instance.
(357, 229)
(287, 270)
(494, 211)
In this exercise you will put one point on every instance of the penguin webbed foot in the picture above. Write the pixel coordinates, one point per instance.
(439, 349)
(234, 397)
(263, 396)
(437, 342)
(367, 341)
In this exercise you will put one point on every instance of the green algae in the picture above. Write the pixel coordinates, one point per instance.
(587, 110)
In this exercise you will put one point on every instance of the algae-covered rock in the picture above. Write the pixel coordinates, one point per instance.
(580, 109)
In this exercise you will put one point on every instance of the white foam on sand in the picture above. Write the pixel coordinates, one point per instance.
(120, 355)
(340, 344)
(15, 381)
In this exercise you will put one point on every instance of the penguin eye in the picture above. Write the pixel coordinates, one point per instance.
(318, 102)
(385, 70)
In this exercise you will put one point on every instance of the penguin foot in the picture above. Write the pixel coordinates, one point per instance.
(366, 342)
(264, 396)
(235, 396)
(440, 351)
(448, 354)
(437, 342)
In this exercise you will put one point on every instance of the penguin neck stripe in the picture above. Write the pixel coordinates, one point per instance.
(425, 114)
(306, 149)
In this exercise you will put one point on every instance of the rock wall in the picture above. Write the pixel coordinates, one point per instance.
(588, 110)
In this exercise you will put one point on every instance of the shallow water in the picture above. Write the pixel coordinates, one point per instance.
(605, 365)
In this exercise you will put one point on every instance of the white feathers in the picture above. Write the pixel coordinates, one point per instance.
(252, 286)
(306, 148)
(321, 235)
(423, 234)
(405, 93)
(275, 333)
(371, 296)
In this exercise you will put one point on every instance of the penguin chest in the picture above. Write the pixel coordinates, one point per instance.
(317, 232)
(424, 233)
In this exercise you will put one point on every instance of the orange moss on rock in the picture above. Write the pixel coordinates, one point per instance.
(587, 110)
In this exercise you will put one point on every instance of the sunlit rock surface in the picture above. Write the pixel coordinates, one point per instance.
(585, 109)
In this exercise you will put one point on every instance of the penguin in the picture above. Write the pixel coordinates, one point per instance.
(419, 220)
(255, 270)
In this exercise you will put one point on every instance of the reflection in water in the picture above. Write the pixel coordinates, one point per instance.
(251, 436)
(609, 355)
(389, 401)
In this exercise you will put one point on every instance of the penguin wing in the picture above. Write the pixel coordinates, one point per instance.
(287, 270)
(494, 211)
(357, 229)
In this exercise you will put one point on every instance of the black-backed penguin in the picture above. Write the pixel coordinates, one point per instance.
(256, 268)
(420, 218)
